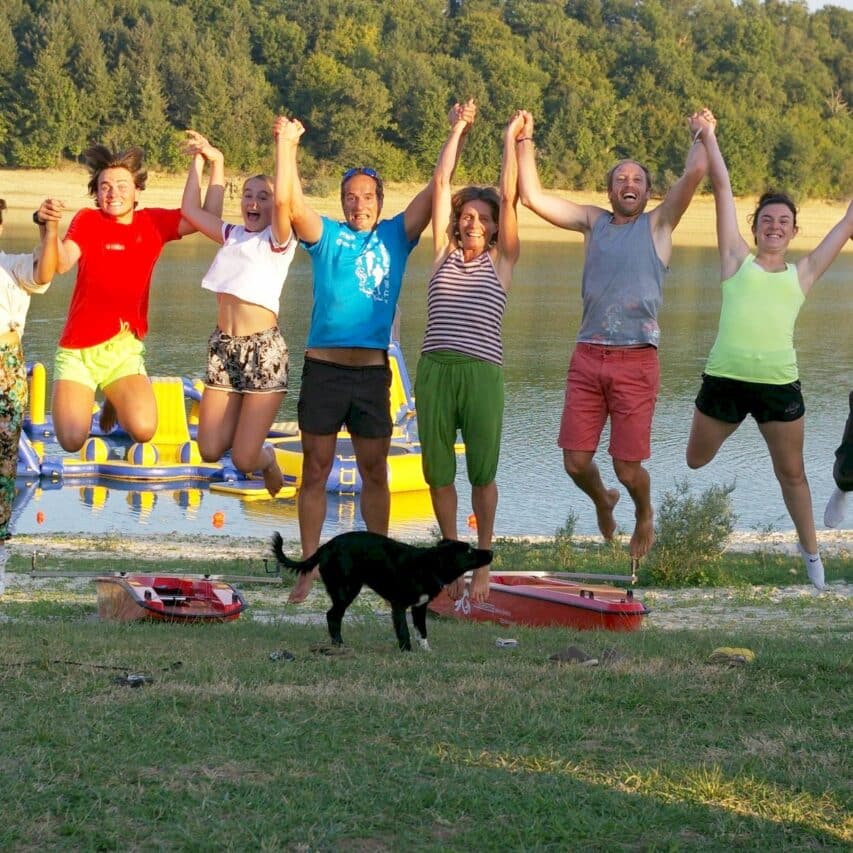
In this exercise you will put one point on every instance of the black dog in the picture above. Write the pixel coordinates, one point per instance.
(404, 575)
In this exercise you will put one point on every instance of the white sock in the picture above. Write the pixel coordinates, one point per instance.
(833, 515)
(814, 568)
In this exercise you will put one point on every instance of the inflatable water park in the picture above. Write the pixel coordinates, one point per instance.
(172, 456)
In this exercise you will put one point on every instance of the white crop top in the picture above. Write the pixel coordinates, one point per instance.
(251, 266)
(16, 285)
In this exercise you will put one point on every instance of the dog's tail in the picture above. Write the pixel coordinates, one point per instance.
(302, 567)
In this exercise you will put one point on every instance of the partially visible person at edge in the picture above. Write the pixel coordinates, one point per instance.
(358, 267)
(20, 276)
(842, 473)
(115, 247)
(614, 371)
(247, 366)
(752, 367)
(459, 384)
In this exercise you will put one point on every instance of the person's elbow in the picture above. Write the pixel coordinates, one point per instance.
(63, 265)
(527, 198)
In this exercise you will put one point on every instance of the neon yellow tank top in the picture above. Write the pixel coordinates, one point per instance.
(755, 340)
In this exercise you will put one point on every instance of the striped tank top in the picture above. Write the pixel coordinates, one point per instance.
(465, 308)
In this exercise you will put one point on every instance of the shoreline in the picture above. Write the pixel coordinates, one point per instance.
(155, 546)
(24, 190)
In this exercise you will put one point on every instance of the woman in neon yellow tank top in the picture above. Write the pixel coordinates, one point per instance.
(752, 368)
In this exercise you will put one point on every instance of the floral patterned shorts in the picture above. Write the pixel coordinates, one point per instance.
(254, 364)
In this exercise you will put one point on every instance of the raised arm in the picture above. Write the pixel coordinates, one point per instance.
(558, 211)
(461, 117)
(730, 244)
(419, 209)
(668, 213)
(509, 247)
(286, 133)
(304, 220)
(206, 218)
(47, 262)
(815, 264)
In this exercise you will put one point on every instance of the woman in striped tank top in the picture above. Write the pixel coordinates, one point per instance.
(459, 383)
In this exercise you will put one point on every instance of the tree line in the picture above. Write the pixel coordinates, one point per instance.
(372, 81)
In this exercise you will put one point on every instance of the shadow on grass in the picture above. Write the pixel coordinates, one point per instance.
(470, 747)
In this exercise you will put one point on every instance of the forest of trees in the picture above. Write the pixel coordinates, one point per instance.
(372, 81)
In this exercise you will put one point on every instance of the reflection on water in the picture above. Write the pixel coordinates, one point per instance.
(541, 323)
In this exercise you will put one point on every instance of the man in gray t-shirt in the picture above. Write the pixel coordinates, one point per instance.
(614, 369)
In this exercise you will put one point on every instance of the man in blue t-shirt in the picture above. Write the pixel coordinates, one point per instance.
(358, 267)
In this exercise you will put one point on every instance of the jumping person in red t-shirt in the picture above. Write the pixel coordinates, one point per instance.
(115, 246)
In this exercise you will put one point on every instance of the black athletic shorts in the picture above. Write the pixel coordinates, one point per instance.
(843, 470)
(731, 400)
(335, 394)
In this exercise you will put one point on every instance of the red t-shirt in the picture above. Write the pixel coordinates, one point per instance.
(114, 273)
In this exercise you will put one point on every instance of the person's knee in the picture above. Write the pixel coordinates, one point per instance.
(629, 474)
(576, 466)
(141, 426)
(210, 451)
(375, 473)
(316, 469)
(142, 432)
(791, 476)
(695, 459)
(72, 437)
(244, 462)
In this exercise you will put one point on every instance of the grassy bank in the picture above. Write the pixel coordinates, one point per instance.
(25, 189)
(471, 747)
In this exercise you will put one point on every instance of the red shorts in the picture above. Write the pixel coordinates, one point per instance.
(621, 382)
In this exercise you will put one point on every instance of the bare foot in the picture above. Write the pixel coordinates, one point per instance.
(302, 587)
(108, 418)
(604, 513)
(456, 589)
(479, 590)
(273, 479)
(644, 537)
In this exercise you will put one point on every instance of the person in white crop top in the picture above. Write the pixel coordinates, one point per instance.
(247, 367)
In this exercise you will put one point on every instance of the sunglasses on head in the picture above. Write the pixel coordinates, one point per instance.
(361, 170)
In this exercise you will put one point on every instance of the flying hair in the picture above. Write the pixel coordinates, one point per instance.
(99, 157)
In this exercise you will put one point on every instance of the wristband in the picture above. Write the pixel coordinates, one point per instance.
(698, 136)
(37, 220)
(523, 139)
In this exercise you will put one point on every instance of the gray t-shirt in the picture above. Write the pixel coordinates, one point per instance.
(622, 284)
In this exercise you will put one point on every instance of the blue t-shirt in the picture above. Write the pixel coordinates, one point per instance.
(357, 281)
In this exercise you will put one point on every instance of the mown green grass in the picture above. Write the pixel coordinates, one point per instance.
(470, 747)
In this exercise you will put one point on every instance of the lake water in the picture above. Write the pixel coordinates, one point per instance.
(541, 322)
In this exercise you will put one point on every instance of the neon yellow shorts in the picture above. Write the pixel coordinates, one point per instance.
(101, 365)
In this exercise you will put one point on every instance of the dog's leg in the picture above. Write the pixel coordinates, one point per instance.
(419, 620)
(401, 627)
(334, 618)
(342, 595)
